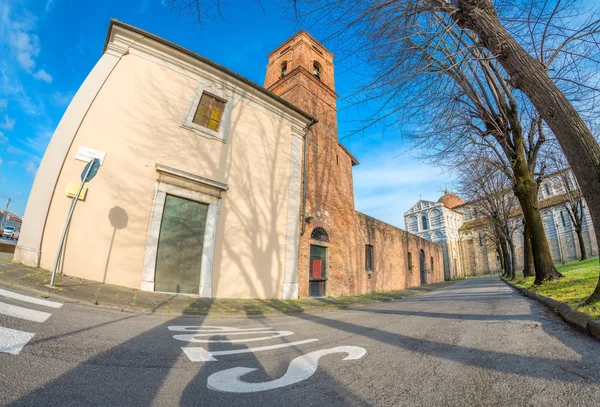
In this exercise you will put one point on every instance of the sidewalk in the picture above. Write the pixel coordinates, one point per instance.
(30, 280)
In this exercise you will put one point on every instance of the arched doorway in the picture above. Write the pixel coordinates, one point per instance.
(422, 266)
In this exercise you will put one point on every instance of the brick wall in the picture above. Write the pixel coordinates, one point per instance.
(330, 192)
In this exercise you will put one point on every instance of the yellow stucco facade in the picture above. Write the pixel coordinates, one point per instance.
(138, 117)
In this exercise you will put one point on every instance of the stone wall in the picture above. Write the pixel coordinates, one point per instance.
(391, 246)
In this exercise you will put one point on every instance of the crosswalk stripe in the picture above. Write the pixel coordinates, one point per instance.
(23, 313)
(32, 300)
(12, 341)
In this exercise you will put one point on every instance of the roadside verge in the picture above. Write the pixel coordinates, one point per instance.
(577, 319)
(73, 290)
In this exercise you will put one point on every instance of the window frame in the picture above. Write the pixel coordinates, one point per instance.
(210, 113)
(218, 91)
(317, 70)
(369, 257)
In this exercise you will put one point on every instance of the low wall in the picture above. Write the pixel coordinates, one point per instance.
(391, 247)
(7, 247)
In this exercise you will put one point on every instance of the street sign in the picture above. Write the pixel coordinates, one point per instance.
(87, 154)
(88, 173)
(90, 170)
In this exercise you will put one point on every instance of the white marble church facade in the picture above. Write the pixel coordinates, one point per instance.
(456, 226)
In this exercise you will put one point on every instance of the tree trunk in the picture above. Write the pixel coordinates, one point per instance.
(526, 191)
(506, 260)
(529, 75)
(501, 257)
(595, 295)
(513, 257)
(528, 267)
(581, 243)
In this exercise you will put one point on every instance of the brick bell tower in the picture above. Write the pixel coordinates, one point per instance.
(301, 71)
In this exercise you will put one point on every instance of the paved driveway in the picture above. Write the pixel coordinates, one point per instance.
(473, 343)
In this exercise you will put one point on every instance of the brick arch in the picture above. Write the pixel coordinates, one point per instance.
(320, 234)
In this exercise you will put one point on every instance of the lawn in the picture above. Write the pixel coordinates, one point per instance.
(579, 282)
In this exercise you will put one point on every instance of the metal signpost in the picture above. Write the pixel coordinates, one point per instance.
(90, 170)
(5, 213)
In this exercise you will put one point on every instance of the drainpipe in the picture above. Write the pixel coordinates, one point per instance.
(312, 121)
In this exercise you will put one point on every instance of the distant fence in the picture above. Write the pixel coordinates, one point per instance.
(7, 247)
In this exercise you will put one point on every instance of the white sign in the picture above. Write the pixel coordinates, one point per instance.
(87, 154)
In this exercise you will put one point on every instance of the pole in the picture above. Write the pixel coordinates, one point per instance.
(64, 234)
(6, 213)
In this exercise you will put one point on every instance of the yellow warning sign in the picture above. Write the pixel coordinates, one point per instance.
(72, 188)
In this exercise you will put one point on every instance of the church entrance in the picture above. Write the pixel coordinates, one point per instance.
(422, 266)
(180, 243)
(318, 271)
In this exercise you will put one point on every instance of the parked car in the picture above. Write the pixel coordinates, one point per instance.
(10, 232)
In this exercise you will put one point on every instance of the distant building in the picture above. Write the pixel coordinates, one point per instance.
(211, 184)
(460, 230)
(10, 219)
(440, 222)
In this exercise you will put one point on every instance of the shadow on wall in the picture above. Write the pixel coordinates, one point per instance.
(118, 219)
(253, 212)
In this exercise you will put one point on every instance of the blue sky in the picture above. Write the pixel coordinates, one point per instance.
(47, 47)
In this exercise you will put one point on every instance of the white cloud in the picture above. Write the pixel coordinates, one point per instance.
(49, 4)
(62, 99)
(24, 45)
(31, 166)
(7, 123)
(1, 161)
(42, 75)
(41, 140)
(15, 89)
(3, 138)
(3, 104)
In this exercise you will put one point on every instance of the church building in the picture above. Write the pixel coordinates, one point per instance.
(463, 231)
(210, 184)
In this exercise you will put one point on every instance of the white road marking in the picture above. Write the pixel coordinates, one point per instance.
(199, 354)
(194, 337)
(33, 300)
(214, 329)
(298, 370)
(12, 341)
(23, 313)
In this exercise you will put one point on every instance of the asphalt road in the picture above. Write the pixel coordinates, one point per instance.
(7, 240)
(474, 343)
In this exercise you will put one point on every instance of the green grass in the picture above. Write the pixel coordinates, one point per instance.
(578, 284)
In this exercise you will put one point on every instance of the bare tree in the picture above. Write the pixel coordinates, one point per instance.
(574, 202)
(489, 192)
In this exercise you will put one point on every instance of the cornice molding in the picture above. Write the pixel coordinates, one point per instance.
(198, 179)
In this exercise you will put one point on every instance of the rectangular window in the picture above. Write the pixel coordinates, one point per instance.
(318, 271)
(209, 111)
(368, 257)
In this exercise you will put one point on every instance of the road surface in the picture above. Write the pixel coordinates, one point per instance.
(474, 343)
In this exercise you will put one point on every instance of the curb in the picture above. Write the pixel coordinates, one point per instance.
(47, 292)
(579, 320)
